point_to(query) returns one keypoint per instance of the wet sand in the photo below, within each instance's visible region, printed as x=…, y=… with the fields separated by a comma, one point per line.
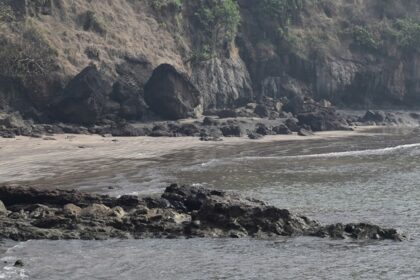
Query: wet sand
x=52, y=163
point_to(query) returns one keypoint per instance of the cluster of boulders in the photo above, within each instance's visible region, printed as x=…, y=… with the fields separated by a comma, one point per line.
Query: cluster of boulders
x=27, y=213
x=91, y=105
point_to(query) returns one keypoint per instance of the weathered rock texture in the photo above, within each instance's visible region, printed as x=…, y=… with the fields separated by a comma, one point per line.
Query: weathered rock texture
x=350, y=52
x=179, y=212
x=355, y=53
x=171, y=95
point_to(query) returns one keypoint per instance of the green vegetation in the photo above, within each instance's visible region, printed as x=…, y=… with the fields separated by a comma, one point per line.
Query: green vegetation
x=407, y=33
x=218, y=22
x=159, y=5
x=281, y=10
x=6, y=14
x=364, y=38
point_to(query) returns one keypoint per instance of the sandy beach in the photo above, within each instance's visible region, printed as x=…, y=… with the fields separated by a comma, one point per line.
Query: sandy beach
x=67, y=158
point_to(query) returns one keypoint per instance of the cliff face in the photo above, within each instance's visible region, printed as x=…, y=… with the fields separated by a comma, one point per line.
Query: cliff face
x=47, y=43
x=353, y=52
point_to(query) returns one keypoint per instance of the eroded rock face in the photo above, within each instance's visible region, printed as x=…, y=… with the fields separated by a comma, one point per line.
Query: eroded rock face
x=180, y=212
x=171, y=95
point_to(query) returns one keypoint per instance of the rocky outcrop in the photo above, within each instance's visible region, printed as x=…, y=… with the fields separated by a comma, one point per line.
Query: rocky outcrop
x=179, y=212
x=323, y=119
x=171, y=95
x=222, y=81
x=84, y=99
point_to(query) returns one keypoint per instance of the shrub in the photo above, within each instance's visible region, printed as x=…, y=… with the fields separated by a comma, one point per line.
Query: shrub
x=407, y=34
x=159, y=5
x=6, y=13
x=218, y=20
x=364, y=38
x=281, y=10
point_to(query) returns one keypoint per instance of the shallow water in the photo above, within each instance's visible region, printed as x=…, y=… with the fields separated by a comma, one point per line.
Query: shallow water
x=366, y=178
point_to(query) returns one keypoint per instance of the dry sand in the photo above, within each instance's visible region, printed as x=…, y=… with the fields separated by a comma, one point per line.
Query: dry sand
x=68, y=158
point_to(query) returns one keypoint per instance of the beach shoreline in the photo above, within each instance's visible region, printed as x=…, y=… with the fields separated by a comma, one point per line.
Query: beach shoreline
x=66, y=157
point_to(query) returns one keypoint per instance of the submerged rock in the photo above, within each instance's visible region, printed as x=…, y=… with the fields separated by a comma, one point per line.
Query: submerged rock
x=180, y=212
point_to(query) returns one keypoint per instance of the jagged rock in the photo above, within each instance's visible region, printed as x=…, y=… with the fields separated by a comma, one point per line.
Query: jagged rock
x=207, y=121
x=292, y=124
x=232, y=131
x=374, y=116
x=171, y=95
x=84, y=99
x=261, y=111
x=7, y=134
x=262, y=129
x=180, y=212
x=361, y=231
x=322, y=119
x=127, y=130
x=282, y=130
x=189, y=129
x=224, y=114
x=245, y=113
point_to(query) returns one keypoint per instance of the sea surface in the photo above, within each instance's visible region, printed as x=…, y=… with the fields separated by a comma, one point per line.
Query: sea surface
x=372, y=177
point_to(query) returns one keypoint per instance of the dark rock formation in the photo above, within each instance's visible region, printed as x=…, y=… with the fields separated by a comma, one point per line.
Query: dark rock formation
x=179, y=212
x=170, y=94
x=262, y=129
x=282, y=129
x=374, y=116
x=84, y=99
x=292, y=124
x=323, y=119
x=232, y=130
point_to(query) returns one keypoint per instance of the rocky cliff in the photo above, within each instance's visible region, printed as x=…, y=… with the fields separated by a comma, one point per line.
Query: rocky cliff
x=219, y=53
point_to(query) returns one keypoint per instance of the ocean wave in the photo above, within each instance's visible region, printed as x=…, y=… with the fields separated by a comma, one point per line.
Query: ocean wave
x=369, y=152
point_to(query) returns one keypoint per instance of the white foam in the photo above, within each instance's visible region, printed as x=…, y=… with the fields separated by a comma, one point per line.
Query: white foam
x=383, y=151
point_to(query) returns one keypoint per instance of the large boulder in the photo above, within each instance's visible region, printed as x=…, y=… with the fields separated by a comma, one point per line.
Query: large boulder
x=84, y=99
x=374, y=116
x=322, y=119
x=171, y=95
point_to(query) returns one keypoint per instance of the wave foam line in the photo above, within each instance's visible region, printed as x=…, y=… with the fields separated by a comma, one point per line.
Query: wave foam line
x=369, y=152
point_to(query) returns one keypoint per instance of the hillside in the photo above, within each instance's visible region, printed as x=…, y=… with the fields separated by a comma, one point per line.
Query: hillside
x=210, y=53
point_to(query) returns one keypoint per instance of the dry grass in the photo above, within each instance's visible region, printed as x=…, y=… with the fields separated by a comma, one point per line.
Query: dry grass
x=120, y=28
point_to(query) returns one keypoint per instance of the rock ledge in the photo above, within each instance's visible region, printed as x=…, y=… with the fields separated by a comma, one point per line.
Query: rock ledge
x=179, y=212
